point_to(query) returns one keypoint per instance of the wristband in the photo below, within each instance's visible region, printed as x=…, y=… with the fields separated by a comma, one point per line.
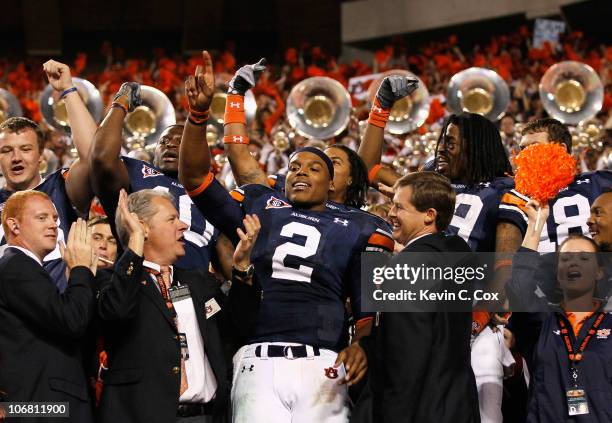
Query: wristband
x=198, y=115
x=196, y=120
x=378, y=115
x=234, y=110
x=236, y=139
x=120, y=106
x=373, y=172
x=68, y=91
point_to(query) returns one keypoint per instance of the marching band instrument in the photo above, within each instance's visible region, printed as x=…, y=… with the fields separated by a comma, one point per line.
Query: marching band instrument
x=319, y=107
x=145, y=123
x=478, y=90
x=571, y=92
x=53, y=109
x=410, y=112
x=9, y=105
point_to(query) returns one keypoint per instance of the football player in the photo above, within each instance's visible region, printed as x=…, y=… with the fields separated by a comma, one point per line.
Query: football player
x=21, y=148
x=570, y=209
x=306, y=260
x=111, y=172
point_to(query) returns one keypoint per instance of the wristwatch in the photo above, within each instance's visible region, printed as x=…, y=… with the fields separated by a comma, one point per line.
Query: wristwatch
x=243, y=275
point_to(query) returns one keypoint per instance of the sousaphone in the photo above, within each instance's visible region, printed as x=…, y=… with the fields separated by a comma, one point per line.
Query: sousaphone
x=53, y=109
x=319, y=108
x=9, y=105
x=478, y=90
x=410, y=112
x=571, y=92
x=146, y=122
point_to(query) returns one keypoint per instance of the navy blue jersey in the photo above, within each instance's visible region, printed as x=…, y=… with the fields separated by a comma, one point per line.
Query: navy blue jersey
x=201, y=236
x=569, y=210
x=54, y=186
x=307, y=262
x=476, y=212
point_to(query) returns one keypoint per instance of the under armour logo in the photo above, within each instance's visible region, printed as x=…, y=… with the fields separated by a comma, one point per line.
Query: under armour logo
x=237, y=138
x=250, y=368
x=377, y=109
x=343, y=222
x=557, y=332
x=583, y=181
x=331, y=373
x=234, y=105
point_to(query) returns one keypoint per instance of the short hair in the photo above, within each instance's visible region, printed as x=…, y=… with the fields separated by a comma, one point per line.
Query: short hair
x=13, y=208
x=557, y=132
x=98, y=220
x=482, y=145
x=141, y=203
x=15, y=125
x=431, y=190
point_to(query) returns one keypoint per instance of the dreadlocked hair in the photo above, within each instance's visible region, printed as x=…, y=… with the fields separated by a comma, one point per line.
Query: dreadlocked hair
x=357, y=190
x=486, y=156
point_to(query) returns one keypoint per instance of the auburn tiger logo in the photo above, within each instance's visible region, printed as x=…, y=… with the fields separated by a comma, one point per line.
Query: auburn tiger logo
x=275, y=203
x=147, y=172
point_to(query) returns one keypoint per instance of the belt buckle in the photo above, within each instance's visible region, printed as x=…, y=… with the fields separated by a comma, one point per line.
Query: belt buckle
x=285, y=350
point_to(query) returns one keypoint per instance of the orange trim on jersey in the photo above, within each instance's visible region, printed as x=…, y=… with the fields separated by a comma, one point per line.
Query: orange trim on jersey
x=237, y=195
x=381, y=241
x=271, y=181
x=373, y=172
x=205, y=184
x=234, y=110
x=65, y=174
x=502, y=263
x=513, y=200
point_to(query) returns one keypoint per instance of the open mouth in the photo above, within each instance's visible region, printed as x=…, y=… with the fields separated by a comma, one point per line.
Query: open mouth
x=170, y=156
x=573, y=274
x=17, y=170
x=300, y=186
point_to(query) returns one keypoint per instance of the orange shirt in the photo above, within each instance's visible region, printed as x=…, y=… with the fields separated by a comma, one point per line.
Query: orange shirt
x=578, y=321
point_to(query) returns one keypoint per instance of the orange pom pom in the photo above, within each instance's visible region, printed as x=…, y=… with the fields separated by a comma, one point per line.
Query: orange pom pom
x=542, y=170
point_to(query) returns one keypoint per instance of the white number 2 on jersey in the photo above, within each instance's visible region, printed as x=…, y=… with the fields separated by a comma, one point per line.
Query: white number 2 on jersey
x=303, y=273
x=466, y=224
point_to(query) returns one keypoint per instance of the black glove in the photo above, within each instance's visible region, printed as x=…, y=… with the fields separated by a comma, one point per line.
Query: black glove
x=129, y=95
x=245, y=78
x=393, y=88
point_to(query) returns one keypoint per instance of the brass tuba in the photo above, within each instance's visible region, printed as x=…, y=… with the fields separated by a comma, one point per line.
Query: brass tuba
x=319, y=107
x=217, y=108
x=146, y=122
x=410, y=112
x=571, y=92
x=53, y=109
x=9, y=105
x=478, y=90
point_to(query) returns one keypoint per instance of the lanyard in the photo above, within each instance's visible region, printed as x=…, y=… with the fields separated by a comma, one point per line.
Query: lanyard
x=575, y=356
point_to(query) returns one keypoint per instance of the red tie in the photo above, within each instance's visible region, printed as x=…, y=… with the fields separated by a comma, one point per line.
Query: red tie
x=163, y=279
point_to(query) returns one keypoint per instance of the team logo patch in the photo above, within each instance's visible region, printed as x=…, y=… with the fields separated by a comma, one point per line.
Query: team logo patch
x=603, y=333
x=275, y=203
x=147, y=172
x=331, y=373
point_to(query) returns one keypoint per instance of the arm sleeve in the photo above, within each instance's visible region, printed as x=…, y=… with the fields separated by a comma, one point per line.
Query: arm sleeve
x=521, y=288
x=30, y=295
x=117, y=298
x=512, y=209
x=219, y=207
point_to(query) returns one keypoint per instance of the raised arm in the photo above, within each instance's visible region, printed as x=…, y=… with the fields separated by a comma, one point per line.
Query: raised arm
x=108, y=173
x=392, y=89
x=194, y=157
x=83, y=127
x=245, y=168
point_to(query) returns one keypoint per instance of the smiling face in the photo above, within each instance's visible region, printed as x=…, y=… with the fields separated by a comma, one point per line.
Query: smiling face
x=406, y=221
x=308, y=181
x=164, y=232
x=577, y=268
x=450, y=158
x=167, y=150
x=20, y=159
x=600, y=221
x=35, y=228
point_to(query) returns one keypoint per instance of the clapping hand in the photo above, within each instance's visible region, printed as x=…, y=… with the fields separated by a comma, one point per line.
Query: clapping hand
x=79, y=249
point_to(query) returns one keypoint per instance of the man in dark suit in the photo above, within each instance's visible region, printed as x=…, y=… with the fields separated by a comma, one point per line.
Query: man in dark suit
x=41, y=327
x=422, y=370
x=165, y=358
